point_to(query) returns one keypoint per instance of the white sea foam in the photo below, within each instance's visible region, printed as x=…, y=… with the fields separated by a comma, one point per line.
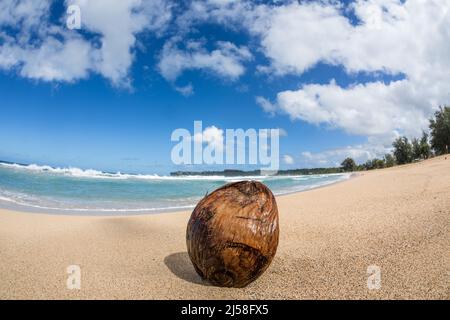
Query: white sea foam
x=26, y=201
x=91, y=173
x=75, y=172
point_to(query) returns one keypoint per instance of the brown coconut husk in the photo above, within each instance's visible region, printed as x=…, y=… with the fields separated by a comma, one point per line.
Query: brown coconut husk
x=232, y=235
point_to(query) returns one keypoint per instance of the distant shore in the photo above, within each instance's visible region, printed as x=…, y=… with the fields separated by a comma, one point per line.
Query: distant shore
x=242, y=173
x=397, y=219
x=9, y=206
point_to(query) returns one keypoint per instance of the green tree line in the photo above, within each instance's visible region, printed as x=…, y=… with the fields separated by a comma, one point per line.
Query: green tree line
x=437, y=142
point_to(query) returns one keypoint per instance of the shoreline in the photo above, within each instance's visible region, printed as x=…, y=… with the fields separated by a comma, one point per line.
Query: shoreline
x=23, y=208
x=397, y=219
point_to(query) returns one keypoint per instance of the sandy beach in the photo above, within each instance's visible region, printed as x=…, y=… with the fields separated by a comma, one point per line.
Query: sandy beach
x=397, y=219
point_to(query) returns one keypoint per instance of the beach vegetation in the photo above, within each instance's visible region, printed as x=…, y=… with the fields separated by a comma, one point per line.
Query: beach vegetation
x=440, y=131
x=425, y=148
x=421, y=147
x=348, y=165
x=374, y=164
x=403, y=150
x=416, y=148
x=389, y=160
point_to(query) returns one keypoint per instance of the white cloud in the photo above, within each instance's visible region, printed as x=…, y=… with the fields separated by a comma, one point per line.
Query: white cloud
x=23, y=14
x=57, y=54
x=266, y=105
x=334, y=157
x=229, y=13
x=283, y=133
x=52, y=60
x=54, y=53
x=118, y=22
x=391, y=36
x=187, y=90
x=371, y=109
x=226, y=60
x=212, y=136
x=58, y=61
x=287, y=159
x=409, y=39
x=297, y=36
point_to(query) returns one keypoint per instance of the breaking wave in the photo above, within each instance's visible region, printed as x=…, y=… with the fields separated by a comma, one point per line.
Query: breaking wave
x=74, y=190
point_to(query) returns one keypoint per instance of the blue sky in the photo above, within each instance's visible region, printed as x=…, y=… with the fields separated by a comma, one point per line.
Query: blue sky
x=108, y=98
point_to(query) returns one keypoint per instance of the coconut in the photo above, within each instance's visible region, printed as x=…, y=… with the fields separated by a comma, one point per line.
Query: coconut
x=232, y=235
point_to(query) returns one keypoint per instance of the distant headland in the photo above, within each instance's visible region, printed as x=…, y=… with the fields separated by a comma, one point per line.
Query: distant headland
x=240, y=173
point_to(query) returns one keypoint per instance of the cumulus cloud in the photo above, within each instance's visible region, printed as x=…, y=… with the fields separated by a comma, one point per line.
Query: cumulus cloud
x=108, y=39
x=334, y=157
x=233, y=14
x=315, y=28
x=391, y=36
x=287, y=159
x=56, y=60
x=58, y=54
x=54, y=53
x=364, y=109
x=103, y=16
x=406, y=39
x=212, y=136
x=226, y=60
x=23, y=14
x=52, y=60
x=266, y=105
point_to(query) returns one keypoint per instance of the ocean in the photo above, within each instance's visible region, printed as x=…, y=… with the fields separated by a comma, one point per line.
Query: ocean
x=89, y=192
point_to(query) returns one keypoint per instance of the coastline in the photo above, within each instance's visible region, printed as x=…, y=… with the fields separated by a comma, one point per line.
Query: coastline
x=396, y=218
x=19, y=207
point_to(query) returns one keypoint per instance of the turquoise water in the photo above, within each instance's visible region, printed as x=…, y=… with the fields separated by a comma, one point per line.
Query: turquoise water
x=76, y=191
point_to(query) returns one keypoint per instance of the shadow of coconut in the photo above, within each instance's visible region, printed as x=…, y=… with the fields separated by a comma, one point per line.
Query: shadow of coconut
x=181, y=266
